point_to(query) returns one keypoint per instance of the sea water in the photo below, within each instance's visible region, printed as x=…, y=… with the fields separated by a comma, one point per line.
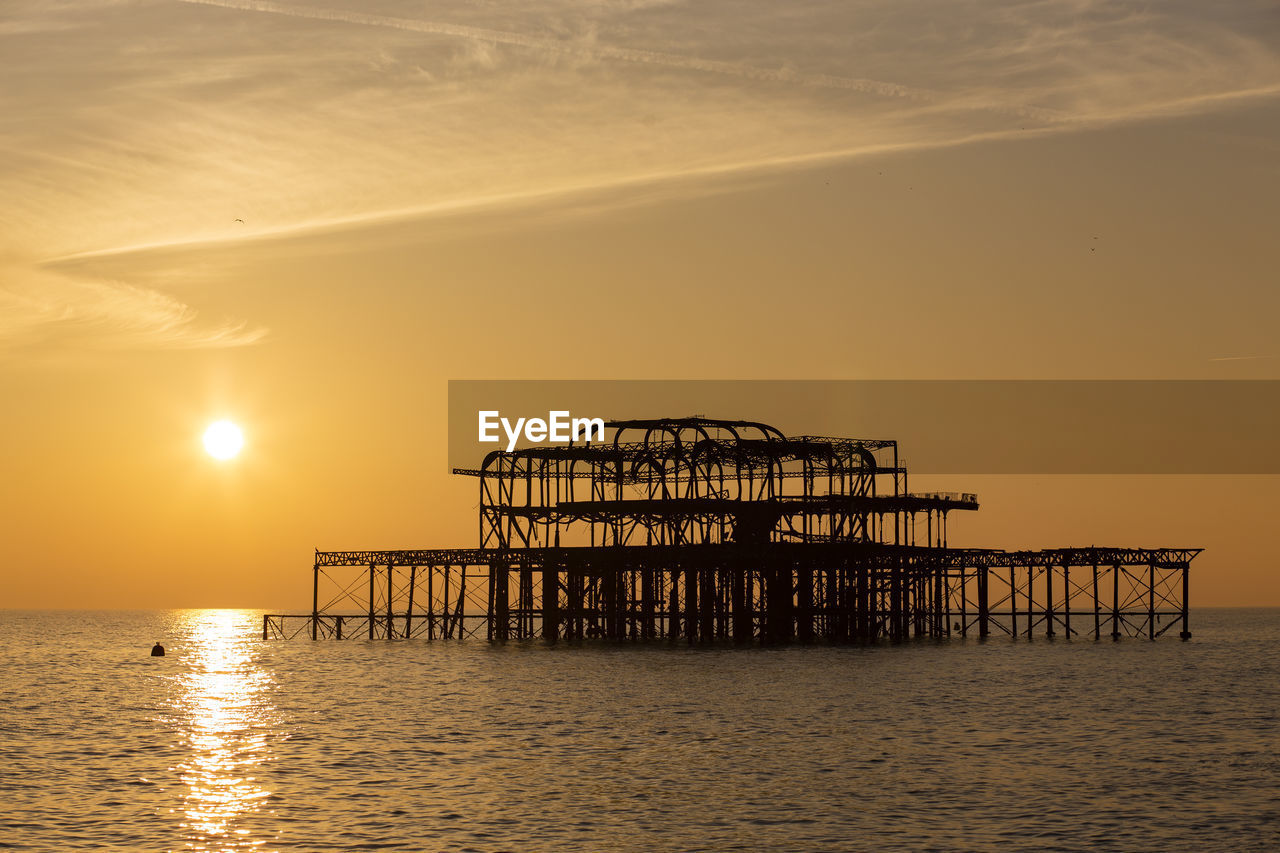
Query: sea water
x=233, y=743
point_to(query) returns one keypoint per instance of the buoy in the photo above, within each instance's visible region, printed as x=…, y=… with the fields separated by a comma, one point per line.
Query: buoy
x=157, y=651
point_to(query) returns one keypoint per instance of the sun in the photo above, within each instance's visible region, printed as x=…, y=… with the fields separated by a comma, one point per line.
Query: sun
x=223, y=439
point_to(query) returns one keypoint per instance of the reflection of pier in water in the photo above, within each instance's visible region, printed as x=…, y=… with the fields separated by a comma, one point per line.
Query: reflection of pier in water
x=727, y=530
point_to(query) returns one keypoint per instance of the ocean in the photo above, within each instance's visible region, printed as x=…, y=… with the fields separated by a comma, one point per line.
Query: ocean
x=232, y=743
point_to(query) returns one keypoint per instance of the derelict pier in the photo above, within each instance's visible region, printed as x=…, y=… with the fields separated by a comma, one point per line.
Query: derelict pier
x=704, y=530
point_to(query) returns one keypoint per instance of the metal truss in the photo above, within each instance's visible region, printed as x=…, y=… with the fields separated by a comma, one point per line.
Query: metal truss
x=694, y=480
x=702, y=530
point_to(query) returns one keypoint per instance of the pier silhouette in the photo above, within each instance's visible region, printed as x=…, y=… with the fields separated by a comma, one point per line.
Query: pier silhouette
x=703, y=530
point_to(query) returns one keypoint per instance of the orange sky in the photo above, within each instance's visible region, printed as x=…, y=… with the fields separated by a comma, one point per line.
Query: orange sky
x=600, y=190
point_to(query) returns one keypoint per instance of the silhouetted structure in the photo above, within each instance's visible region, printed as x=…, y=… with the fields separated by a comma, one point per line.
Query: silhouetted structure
x=709, y=530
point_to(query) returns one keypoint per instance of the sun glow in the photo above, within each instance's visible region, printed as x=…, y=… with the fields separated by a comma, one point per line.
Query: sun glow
x=226, y=717
x=223, y=439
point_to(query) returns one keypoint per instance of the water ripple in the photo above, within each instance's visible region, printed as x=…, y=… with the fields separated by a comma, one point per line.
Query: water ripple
x=232, y=744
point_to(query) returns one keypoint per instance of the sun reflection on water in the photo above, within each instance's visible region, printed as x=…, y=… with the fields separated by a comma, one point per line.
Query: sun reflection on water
x=223, y=699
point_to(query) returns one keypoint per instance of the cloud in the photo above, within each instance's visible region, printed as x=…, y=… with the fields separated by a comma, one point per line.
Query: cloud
x=581, y=49
x=37, y=306
x=154, y=124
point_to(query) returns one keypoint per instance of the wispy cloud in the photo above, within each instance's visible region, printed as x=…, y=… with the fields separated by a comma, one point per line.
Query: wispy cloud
x=576, y=48
x=575, y=196
x=1242, y=357
x=97, y=314
x=133, y=125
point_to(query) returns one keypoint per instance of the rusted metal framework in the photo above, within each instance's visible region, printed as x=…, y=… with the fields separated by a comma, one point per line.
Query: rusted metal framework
x=692, y=481
x=705, y=530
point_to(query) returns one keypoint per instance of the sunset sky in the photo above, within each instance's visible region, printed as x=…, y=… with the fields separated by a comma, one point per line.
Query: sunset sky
x=306, y=217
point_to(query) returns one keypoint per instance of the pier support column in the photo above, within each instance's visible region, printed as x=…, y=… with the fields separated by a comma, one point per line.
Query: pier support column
x=569, y=614
x=500, y=607
x=315, y=604
x=488, y=605
x=576, y=601
x=941, y=596
x=1151, y=601
x=431, y=603
x=1048, y=600
x=621, y=605
x=865, y=621
x=778, y=594
x=372, y=572
x=524, y=617
x=1031, y=589
x=691, y=603
x=1097, y=606
x=550, y=602
x=646, y=603
x=804, y=613
x=984, y=606
x=835, y=598
x=1066, y=600
x=1185, y=634
x=707, y=602
x=895, y=619
x=1115, y=602
x=741, y=612
x=1013, y=604
x=408, y=608
x=609, y=604
x=391, y=629
x=673, y=607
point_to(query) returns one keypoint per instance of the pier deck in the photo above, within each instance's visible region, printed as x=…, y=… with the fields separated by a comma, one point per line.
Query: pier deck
x=777, y=592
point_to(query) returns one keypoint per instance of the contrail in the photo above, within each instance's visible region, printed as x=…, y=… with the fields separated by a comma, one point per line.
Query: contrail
x=534, y=196
x=624, y=54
